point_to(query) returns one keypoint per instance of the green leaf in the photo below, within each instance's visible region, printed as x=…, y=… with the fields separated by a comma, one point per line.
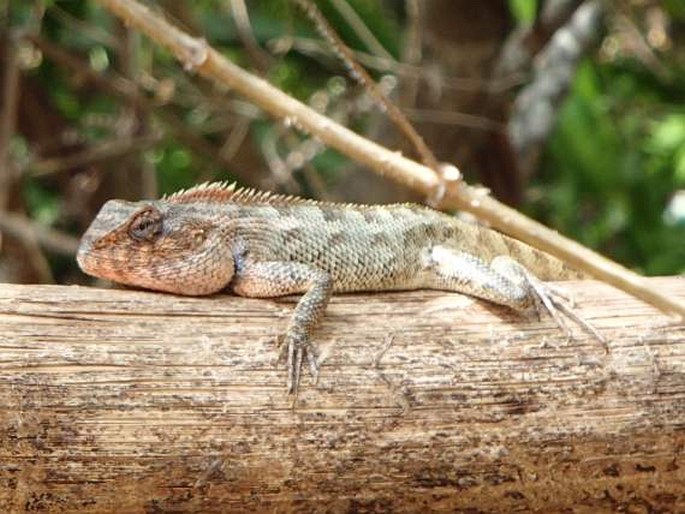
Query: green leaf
x=668, y=135
x=523, y=10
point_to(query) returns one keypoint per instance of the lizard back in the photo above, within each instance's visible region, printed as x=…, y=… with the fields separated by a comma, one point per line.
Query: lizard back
x=184, y=242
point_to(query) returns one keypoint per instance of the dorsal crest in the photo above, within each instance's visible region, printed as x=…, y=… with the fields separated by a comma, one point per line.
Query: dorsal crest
x=225, y=192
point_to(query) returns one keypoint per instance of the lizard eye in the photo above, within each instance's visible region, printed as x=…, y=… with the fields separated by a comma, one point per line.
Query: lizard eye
x=146, y=225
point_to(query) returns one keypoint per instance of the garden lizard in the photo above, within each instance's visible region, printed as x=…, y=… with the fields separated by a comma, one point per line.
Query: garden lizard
x=217, y=237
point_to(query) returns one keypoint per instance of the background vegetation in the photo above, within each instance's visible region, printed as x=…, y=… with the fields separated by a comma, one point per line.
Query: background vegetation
x=579, y=121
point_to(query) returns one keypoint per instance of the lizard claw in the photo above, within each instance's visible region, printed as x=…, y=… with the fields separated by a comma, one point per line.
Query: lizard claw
x=547, y=298
x=296, y=349
x=556, y=300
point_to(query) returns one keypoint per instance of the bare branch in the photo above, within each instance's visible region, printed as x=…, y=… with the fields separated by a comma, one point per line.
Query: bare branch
x=453, y=118
x=412, y=52
x=360, y=28
x=407, y=71
x=136, y=120
x=242, y=22
x=111, y=149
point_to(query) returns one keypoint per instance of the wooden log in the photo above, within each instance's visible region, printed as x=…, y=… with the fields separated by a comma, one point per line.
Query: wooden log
x=129, y=401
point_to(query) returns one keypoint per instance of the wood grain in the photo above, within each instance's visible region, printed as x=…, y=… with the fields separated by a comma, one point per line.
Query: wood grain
x=128, y=401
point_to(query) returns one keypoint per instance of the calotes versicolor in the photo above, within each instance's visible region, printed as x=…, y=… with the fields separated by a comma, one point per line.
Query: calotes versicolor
x=215, y=237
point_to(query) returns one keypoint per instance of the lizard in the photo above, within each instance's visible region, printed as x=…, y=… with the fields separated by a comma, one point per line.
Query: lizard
x=217, y=237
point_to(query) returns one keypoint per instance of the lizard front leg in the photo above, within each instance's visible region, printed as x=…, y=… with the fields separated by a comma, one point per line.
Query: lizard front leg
x=271, y=279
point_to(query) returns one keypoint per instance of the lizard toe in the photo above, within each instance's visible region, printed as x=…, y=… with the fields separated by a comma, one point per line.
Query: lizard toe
x=297, y=348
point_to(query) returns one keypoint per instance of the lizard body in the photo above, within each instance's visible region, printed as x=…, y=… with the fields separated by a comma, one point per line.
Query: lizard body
x=214, y=237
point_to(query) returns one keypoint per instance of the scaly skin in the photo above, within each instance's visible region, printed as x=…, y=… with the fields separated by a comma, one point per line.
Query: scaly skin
x=214, y=237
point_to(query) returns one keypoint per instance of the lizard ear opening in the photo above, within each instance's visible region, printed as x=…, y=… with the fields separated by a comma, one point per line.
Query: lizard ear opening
x=146, y=225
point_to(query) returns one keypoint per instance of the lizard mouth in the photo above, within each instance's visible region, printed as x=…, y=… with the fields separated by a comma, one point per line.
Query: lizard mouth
x=91, y=264
x=86, y=261
x=84, y=252
x=92, y=258
x=81, y=257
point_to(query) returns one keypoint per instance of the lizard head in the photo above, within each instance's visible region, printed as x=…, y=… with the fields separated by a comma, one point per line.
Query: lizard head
x=156, y=246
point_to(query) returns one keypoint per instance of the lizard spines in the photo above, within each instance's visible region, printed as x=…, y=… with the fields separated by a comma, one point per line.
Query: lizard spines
x=225, y=192
x=219, y=192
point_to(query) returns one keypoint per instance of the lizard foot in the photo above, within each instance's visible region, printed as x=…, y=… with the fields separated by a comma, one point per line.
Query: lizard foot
x=555, y=301
x=547, y=298
x=296, y=348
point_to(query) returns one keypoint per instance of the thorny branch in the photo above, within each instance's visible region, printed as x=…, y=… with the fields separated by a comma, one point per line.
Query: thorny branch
x=196, y=54
x=405, y=70
x=363, y=77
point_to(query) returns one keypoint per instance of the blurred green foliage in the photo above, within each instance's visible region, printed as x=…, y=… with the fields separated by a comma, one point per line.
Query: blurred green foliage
x=613, y=165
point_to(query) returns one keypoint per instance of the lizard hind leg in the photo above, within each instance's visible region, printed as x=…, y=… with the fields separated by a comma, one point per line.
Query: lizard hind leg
x=506, y=282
